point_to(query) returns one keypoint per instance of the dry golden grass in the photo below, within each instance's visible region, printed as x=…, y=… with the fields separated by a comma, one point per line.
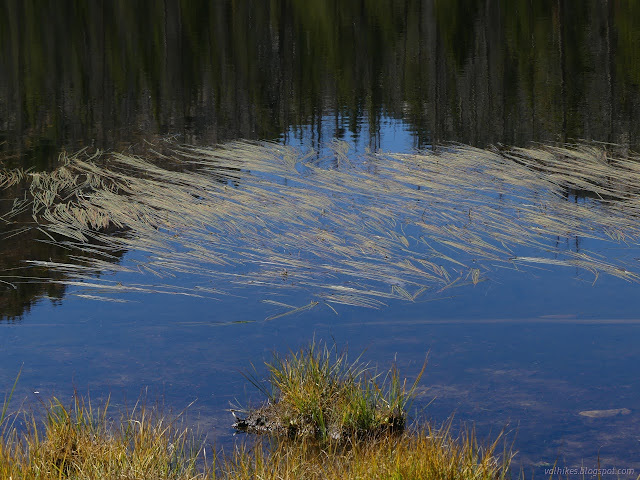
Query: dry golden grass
x=429, y=453
x=357, y=229
x=82, y=442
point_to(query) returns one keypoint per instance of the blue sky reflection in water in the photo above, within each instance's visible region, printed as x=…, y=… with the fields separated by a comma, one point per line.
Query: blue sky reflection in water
x=528, y=349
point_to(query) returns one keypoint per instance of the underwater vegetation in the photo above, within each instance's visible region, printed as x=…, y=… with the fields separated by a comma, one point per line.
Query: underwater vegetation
x=343, y=227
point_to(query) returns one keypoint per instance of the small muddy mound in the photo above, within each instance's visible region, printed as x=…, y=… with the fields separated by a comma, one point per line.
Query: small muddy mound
x=279, y=420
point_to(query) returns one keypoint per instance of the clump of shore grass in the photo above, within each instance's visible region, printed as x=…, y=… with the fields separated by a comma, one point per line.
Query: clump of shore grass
x=317, y=392
x=79, y=441
x=427, y=453
x=83, y=443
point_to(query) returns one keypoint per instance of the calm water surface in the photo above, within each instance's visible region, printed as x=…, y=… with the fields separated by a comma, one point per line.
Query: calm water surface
x=526, y=350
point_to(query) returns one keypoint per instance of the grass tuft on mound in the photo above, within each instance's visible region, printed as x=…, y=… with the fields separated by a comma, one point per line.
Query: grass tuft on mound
x=316, y=392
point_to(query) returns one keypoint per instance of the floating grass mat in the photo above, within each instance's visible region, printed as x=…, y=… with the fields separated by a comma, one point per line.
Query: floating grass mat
x=346, y=228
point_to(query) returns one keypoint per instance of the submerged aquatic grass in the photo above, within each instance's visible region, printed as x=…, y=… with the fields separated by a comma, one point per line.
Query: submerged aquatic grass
x=358, y=229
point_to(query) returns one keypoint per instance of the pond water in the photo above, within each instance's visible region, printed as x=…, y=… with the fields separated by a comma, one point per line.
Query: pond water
x=525, y=349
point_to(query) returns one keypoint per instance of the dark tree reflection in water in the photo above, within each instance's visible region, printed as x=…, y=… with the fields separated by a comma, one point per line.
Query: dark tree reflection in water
x=477, y=72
